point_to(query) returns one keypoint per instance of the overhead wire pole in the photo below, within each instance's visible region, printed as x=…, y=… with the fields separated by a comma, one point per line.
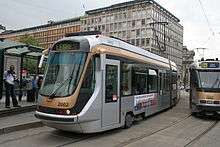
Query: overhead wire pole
x=203, y=51
x=164, y=39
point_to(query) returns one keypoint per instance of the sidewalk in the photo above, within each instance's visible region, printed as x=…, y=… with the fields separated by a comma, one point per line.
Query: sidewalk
x=15, y=118
x=25, y=107
x=19, y=122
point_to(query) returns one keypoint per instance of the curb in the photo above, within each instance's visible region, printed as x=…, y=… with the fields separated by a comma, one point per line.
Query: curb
x=20, y=127
x=14, y=111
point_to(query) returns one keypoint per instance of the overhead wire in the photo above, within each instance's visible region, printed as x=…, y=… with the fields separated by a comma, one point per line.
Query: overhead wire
x=51, y=10
x=206, y=18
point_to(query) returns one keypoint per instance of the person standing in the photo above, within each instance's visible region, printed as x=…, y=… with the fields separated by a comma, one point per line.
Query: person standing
x=34, y=88
x=9, y=80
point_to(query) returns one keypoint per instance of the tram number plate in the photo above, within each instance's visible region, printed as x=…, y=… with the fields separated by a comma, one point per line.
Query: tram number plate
x=209, y=102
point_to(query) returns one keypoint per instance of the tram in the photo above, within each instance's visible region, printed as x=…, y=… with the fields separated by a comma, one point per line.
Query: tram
x=94, y=83
x=205, y=86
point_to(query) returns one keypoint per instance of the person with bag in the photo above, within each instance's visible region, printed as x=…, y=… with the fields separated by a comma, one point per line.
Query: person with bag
x=9, y=80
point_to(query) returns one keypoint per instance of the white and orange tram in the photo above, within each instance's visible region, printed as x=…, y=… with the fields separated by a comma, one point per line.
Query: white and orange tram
x=94, y=83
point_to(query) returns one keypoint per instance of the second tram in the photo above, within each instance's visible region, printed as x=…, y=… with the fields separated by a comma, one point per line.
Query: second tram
x=94, y=83
x=205, y=86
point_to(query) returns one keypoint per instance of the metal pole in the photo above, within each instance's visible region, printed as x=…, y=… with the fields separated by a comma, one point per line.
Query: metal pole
x=20, y=83
x=38, y=62
x=1, y=72
x=164, y=39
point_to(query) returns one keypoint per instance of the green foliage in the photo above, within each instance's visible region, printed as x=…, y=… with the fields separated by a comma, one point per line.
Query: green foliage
x=29, y=64
x=29, y=40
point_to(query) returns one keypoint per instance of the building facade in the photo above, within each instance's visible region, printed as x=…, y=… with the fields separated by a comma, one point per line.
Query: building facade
x=188, y=58
x=46, y=34
x=143, y=23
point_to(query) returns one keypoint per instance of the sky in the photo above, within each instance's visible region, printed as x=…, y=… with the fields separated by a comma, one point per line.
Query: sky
x=200, y=18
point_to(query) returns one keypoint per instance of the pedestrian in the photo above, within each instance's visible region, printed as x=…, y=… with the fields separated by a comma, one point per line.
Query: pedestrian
x=34, y=87
x=39, y=83
x=9, y=80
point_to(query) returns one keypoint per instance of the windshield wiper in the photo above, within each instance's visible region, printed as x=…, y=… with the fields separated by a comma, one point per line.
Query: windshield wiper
x=53, y=94
x=217, y=82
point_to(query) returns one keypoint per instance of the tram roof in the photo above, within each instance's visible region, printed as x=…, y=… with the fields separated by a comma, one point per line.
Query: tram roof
x=206, y=65
x=95, y=40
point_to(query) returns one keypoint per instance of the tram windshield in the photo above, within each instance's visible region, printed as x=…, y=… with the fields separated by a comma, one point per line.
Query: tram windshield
x=62, y=73
x=209, y=79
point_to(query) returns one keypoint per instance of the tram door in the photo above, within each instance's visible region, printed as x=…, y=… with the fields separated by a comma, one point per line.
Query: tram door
x=111, y=93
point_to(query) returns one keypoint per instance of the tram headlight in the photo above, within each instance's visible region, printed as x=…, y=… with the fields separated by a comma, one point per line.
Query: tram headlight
x=68, y=112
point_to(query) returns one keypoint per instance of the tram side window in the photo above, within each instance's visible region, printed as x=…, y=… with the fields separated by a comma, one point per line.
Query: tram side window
x=152, y=80
x=139, y=79
x=126, y=79
x=166, y=83
x=162, y=80
x=88, y=84
x=174, y=80
x=87, y=87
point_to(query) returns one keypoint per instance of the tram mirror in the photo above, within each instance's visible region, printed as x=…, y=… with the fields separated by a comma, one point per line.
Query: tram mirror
x=44, y=54
x=41, y=61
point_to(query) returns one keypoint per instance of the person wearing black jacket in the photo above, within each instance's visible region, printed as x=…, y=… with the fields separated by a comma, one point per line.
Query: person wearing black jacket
x=9, y=80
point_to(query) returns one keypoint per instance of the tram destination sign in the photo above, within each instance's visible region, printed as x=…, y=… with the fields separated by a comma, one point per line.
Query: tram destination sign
x=210, y=65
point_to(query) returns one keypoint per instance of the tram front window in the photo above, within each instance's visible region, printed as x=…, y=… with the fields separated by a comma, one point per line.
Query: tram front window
x=62, y=74
x=210, y=80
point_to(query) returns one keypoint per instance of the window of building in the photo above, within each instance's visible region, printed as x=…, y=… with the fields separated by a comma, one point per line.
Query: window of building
x=143, y=22
x=103, y=27
x=133, y=41
x=116, y=17
x=147, y=41
x=152, y=80
x=120, y=25
x=120, y=34
x=107, y=27
x=133, y=23
x=124, y=34
x=124, y=15
x=142, y=42
x=138, y=32
x=111, y=27
x=124, y=25
x=132, y=33
x=137, y=42
x=115, y=26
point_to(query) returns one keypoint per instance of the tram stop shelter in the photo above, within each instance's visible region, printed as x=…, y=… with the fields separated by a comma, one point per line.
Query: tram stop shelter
x=13, y=53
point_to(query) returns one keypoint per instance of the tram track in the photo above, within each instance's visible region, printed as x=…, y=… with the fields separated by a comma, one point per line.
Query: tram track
x=123, y=143
x=132, y=140
x=192, y=141
x=74, y=141
x=202, y=134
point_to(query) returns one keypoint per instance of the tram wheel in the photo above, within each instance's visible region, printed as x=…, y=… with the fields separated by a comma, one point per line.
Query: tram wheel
x=129, y=118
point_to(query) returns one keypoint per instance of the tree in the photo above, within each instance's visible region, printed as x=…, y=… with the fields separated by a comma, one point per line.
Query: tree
x=29, y=64
x=29, y=40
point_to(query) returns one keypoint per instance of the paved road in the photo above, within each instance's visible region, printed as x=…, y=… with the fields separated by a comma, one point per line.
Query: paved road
x=174, y=127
